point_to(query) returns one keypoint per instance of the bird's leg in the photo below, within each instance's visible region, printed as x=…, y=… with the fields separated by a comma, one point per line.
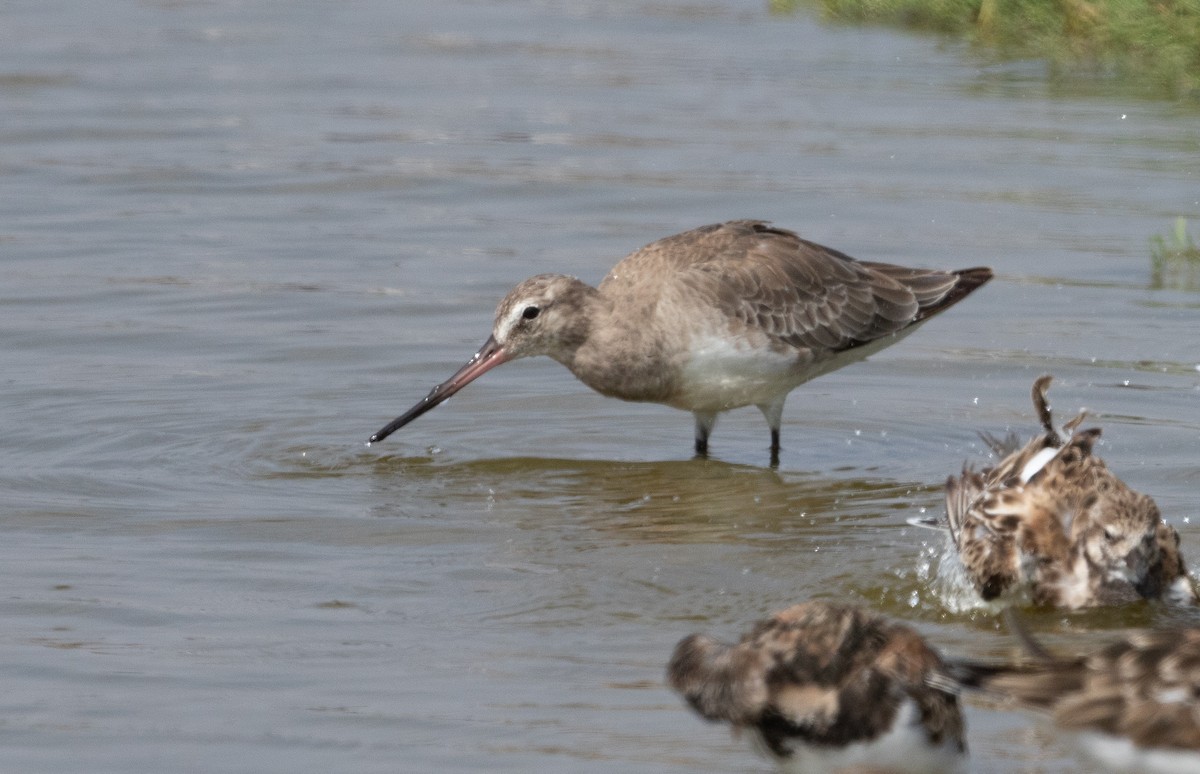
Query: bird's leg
x=773, y=412
x=704, y=425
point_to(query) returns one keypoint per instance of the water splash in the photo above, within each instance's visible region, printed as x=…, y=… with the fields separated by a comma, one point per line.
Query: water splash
x=948, y=580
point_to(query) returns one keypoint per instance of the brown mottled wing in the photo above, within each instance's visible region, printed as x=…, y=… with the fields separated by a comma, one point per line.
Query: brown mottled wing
x=718, y=241
x=994, y=517
x=1039, y=686
x=1160, y=680
x=1014, y=456
x=987, y=546
x=824, y=688
x=1143, y=687
x=796, y=291
x=1007, y=471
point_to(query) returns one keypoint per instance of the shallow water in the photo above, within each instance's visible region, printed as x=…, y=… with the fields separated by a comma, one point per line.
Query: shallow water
x=239, y=238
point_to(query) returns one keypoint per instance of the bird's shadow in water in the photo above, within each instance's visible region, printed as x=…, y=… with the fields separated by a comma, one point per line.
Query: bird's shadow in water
x=672, y=501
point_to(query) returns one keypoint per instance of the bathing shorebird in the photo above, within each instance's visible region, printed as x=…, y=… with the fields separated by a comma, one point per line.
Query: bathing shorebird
x=728, y=315
x=825, y=688
x=1051, y=522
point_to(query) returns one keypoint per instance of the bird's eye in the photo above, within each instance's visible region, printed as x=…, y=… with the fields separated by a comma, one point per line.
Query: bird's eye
x=530, y=312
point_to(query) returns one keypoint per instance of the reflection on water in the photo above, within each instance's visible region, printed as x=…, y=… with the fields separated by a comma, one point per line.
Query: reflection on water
x=667, y=501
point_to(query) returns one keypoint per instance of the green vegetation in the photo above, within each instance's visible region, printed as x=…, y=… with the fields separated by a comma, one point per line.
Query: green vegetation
x=1175, y=261
x=1155, y=43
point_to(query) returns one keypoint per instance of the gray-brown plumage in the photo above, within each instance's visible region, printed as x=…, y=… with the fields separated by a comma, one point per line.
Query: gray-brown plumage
x=1052, y=521
x=1133, y=706
x=827, y=687
x=728, y=315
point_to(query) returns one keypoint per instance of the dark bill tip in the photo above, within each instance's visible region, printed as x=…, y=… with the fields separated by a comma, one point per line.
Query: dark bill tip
x=490, y=355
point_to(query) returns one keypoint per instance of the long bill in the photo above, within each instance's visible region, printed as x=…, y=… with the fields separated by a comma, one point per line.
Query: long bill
x=490, y=355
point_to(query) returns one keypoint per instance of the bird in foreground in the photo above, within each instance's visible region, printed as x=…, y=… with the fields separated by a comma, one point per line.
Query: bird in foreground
x=1133, y=706
x=728, y=315
x=824, y=687
x=1052, y=522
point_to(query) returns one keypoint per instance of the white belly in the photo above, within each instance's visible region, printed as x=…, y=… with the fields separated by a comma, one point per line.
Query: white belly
x=1118, y=754
x=725, y=372
x=903, y=750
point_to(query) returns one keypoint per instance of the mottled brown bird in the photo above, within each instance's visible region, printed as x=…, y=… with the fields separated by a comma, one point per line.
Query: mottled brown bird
x=823, y=687
x=1133, y=706
x=1052, y=523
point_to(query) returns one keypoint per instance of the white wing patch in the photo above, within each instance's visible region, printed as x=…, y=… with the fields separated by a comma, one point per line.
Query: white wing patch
x=1037, y=462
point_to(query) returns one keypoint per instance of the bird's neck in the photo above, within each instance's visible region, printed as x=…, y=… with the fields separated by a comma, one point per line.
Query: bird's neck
x=620, y=356
x=588, y=313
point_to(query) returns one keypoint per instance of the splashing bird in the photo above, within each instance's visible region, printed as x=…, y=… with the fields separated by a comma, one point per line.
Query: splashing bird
x=727, y=315
x=1052, y=522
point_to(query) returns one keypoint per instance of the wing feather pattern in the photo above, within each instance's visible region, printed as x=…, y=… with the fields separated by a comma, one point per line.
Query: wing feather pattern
x=799, y=293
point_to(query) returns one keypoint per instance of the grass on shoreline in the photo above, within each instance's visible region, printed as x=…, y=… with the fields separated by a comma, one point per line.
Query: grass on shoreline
x=1175, y=260
x=1155, y=43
